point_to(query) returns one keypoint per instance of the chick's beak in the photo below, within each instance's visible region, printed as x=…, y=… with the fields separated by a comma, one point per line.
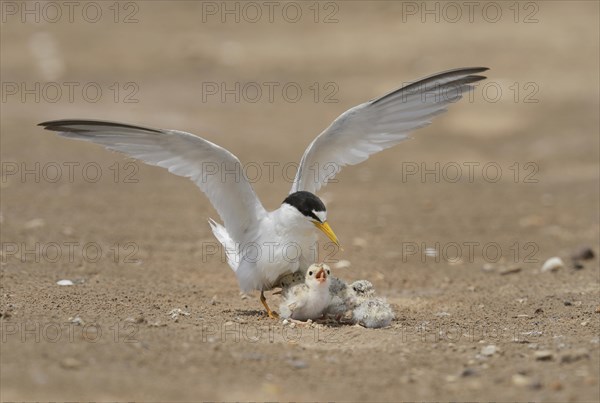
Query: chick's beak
x=321, y=276
x=327, y=230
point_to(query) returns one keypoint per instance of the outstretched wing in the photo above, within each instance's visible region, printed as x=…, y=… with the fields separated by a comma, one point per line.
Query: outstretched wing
x=379, y=124
x=182, y=154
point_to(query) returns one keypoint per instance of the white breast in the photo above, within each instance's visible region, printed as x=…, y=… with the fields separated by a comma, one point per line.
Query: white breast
x=285, y=242
x=303, y=303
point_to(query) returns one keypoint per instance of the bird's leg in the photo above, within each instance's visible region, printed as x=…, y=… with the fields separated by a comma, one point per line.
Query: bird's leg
x=272, y=314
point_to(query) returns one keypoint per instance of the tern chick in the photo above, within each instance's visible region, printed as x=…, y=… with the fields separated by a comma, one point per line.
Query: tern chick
x=357, y=303
x=308, y=300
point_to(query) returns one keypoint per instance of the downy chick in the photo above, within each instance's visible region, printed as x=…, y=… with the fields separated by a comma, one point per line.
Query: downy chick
x=308, y=300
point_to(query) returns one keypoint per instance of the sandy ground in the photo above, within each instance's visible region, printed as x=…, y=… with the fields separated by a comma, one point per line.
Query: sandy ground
x=135, y=241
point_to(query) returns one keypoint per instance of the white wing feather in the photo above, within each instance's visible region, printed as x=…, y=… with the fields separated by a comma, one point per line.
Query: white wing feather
x=379, y=124
x=183, y=154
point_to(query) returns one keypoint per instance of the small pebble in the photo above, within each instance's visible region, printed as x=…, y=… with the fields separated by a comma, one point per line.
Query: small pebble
x=553, y=264
x=521, y=380
x=451, y=378
x=35, y=223
x=543, y=355
x=525, y=381
x=573, y=356
x=556, y=385
x=70, y=363
x=488, y=350
x=253, y=356
x=531, y=221
x=510, y=270
x=298, y=364
x=577, y=265
x=583, y=253
x=488, y=267
x=68, y=231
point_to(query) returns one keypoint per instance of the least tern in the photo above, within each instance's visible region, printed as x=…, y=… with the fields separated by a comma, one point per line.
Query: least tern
x=309, y=299
x=350, y=139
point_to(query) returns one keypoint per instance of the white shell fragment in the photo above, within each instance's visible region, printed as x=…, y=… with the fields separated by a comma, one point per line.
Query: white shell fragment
x=64, y=282
x=175, y=313
x=553, y=264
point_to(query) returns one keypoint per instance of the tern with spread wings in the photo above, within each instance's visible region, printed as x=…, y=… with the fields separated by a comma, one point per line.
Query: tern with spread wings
x=355, y=135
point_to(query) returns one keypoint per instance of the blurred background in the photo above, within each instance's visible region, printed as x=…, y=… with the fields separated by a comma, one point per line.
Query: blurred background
x=262, y=79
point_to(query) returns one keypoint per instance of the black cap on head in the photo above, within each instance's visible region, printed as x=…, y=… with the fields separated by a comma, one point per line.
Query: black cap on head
x=306, y=203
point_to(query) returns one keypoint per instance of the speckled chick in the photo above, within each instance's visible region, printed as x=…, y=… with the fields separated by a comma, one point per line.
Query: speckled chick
x=346, y=297
x=373, y=313
x=308, y=300
x=358, y=301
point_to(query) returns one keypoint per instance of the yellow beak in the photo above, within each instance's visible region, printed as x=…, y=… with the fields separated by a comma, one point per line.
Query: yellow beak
x=328, y=231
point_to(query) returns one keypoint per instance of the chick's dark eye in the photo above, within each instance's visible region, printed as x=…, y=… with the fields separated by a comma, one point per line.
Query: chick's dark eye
x=310, y=273
x=328, y=272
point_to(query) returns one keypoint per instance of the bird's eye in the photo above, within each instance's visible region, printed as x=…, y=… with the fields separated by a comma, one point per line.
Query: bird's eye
x=328, y=272
x=310, y=273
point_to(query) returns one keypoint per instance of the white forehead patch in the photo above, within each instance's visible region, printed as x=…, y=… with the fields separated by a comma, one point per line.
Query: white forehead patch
x=321, y=214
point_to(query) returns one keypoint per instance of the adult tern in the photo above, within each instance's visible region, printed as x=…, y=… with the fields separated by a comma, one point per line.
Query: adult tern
x=350, y=139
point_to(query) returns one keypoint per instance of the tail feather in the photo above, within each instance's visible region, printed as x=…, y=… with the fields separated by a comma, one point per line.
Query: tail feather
x=231, y=250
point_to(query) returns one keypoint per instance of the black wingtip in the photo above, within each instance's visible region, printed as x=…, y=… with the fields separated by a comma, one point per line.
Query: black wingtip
x=67, y=125
x=474, y=79
x=480, y=69
x=469, y=76
x=47, y=124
